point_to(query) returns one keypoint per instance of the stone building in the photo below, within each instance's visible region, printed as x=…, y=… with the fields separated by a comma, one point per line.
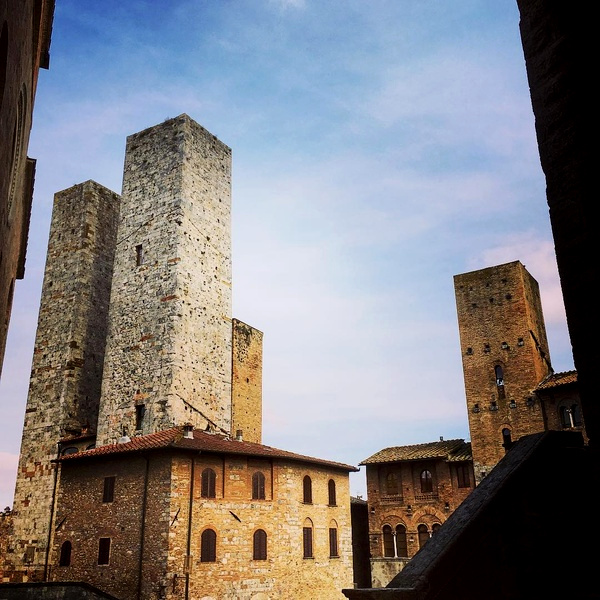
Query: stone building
x=25, y=31
x=136, y=340
x=511, y=392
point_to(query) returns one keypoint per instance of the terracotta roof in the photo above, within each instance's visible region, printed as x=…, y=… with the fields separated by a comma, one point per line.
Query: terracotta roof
x=202, y=441
x=557, y=379
x=449, y=450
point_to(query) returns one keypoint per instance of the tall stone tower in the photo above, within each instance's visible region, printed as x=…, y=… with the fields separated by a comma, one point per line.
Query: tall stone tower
x=66, y=373
x=505, y=356
x=169, y=345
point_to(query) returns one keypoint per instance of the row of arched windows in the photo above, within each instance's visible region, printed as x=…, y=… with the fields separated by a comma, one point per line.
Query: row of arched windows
x=395, y=541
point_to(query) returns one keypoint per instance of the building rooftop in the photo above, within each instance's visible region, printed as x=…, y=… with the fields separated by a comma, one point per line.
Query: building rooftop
x=202, y=441
x=449, y=450
x=555, y=380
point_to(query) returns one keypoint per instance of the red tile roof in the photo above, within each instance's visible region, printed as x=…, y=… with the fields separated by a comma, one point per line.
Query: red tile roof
x=557, y=379
x=202, y=441
x=449, y=450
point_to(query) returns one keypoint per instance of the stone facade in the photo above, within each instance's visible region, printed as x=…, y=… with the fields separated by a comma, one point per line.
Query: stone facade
x=25, y=31
x=160, y=508
x=406, y=507
x=64, y=388
x=505, y=356
x=168, y=350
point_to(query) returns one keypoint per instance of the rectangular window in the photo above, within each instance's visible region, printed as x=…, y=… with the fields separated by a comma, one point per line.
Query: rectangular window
x=333, y=542
x=307, y=542
x=109, y=489
x=103, y=551
x=462, y=475
x=140, y=411
x=139, y=255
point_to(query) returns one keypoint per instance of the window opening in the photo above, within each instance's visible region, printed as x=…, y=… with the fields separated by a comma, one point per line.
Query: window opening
x=258, y=486
x=139, y=255
x=333, y=542
x=391, y=484
x=331, y=490
x=462, y=475
x=259, y=545
x=208, y=484
x=103, y=551
x=426, y=482
x=307, y=542
x=388, y=542
x=208, y=546
x=65, y=554
x=506, y=438
x=109, y=489
x=140, y=411
x=401, y=542
x=423, y=534
x=307, y=490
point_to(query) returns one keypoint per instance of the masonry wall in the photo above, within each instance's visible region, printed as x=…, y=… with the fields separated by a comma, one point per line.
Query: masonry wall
x=409, y=508
x=246, y=392
x=64, y=389
x=501, y=325
x=169, y=345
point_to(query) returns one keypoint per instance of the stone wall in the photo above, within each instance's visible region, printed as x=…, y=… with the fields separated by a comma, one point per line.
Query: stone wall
x=501, y=325
x=168, y=352
x=64, y=389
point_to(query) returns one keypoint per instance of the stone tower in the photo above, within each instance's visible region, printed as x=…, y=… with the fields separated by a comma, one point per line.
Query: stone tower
x=66, y=373
x=505, y=356
x=169, y=345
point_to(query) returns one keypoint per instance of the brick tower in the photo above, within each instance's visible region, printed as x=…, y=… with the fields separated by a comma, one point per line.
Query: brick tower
x=66, y=373
x=169, y=345
x=505, y=356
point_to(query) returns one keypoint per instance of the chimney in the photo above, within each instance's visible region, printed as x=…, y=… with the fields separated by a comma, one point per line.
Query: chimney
x=188, y=431
x=238, y=435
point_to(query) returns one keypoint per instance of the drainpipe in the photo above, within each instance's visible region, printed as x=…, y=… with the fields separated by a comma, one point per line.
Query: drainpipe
x=52, y=509
x=188, y=557
x=143, y=528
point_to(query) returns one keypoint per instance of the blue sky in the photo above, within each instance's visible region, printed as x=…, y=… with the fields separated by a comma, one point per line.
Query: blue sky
x=379, y=149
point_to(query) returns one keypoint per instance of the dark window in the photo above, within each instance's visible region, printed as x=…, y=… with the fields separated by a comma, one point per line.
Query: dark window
x=139, y=255
x=70, y=450
x=499, y=381
x=103, y=551
x=435, y=528
x=307, y=490
x=65, y=554
x=307, y=542
x=109, y=489
x=140, y=411
x=401, y=545
x=388, y=542
x=208, y=484
x=576, y=415
x=29, y=554
x=463, y=475
x=423, y=534
x=208, y=546
x=506, y=438
x=259, y=545
x=333, y=542
x=332, y=497
x=258, y=486
x=426, y=482
x=391, y=484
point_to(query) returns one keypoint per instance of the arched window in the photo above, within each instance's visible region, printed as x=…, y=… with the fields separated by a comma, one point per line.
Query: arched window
x=401, y=544
x=388, y=542
x=333, y=540
x=435, y=528
x=307, y=539
x=576, y=415
x=307, y=490
x=331, y=489
x=426, y=482
x=259, y=545
x=423, y=533
x=499, y=381
x=391, y=484
x=208, y=484
x=258, y=486
x=565, y=416
x=65, y=554
x=506, y=438
x=208, y=546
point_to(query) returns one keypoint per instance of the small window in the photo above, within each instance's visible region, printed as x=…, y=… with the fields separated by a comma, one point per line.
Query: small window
x=333, y=542
x=307, y=490
x=109, y=489
x=258, y=486
x=70, y=450
x=401, y=543
x=576, y=415
x=208, y=484
x=426, y=482
x=104, y=551
x=65, y=554
x=391, y=484
x=332, y=496
x=388, y=542
x=139, y=255
x=506, y=438
x=208, y=546
x=307, y=542
x=463, y=475
x=423, y=534
x=29, y=554
x=435, y=528
x=140, y=411
x=259, y=545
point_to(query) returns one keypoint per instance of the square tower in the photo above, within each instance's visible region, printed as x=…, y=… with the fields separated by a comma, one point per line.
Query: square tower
x=504, y=355
x=169, y=344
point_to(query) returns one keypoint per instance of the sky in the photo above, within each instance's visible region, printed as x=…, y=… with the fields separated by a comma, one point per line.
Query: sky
x=379, y=148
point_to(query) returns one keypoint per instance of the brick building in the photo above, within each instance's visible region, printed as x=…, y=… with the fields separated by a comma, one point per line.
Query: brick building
x=25, y=31
x=136, y=340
